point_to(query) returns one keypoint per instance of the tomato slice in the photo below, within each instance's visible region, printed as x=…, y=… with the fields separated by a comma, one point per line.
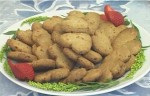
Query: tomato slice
x=107, y=10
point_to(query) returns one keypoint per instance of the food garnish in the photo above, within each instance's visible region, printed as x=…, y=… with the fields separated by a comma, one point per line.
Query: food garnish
x=34, y=19
x=113, y=16
x=48, y=42
x=22, y=71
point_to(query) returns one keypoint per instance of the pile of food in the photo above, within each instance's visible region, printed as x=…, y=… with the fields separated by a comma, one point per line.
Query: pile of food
x=78, y=48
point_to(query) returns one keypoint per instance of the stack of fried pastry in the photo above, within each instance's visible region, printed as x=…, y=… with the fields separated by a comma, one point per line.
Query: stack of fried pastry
x=77, y=48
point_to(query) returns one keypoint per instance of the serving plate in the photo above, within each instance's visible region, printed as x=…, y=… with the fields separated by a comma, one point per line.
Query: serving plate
x=145, y=38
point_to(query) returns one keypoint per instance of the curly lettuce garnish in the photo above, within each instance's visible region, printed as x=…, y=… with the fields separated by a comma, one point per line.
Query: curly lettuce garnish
x=70, y=87
x=55, y=86
x=140, y=58
x=35, y=19
x=5, y=49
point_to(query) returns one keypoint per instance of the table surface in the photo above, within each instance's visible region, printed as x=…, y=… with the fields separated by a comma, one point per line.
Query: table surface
x=12, y=11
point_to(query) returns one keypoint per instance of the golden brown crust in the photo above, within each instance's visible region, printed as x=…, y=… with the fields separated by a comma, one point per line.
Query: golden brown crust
x=70, y=54
x=110, y=30
x=134, y=46
x=57, y=32
x=93, y=56
x=125, y=36
x=40, y=52
x=18, y=46
x=72, y=24
x=34, y=49
x=50, y=23
x=55, y=74
x=21, y=56
x=25, y=36
x=75, y=75
x=101, y=43
x=42, y=38
x=62, y=61
x=56, y=36
x=118, y=71
x=121, y=53
x=76, y=14
x=78, y=48
x=93, y=20
x=92, y=75
x=111, y=69
x=119, y=29
x=42, y=77
x=75, y=41
x=106, y=76
x=58, y=28
x=83, y=62
x=58, y=74
x=36, y=26
x=43, y=64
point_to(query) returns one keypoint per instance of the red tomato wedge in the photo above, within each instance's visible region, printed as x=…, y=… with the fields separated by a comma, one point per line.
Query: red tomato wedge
x=113, y=16
x=22, y=71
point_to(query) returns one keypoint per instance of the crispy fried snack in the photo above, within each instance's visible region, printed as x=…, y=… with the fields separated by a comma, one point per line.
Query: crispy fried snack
x=70, y=54
x=125, y=36
x=18, y=46
x=119, y=29
x=111, y=69
x=40, y=52
x=79, y=48
x=76, y=14
x=101, y=43
x=55, y=74
x=36, y=26
x=43, y=64
x=110, y=30
x=50, y=23
x=76, y=42
x=25, y=37
x=93, y=56
x=57, y=32
x=92, y=75
x=121, y=71
x=134, y=46
x=42, y=38
x=21, y=56
x=75, y=75
x=122, y=53
x=58, y=28
x=62, y=61
x=106, y=75
x=56, y=37
x=60, y=73
x=43, y=77
x=85, y=63
x=93, y=20
x=71, y=24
